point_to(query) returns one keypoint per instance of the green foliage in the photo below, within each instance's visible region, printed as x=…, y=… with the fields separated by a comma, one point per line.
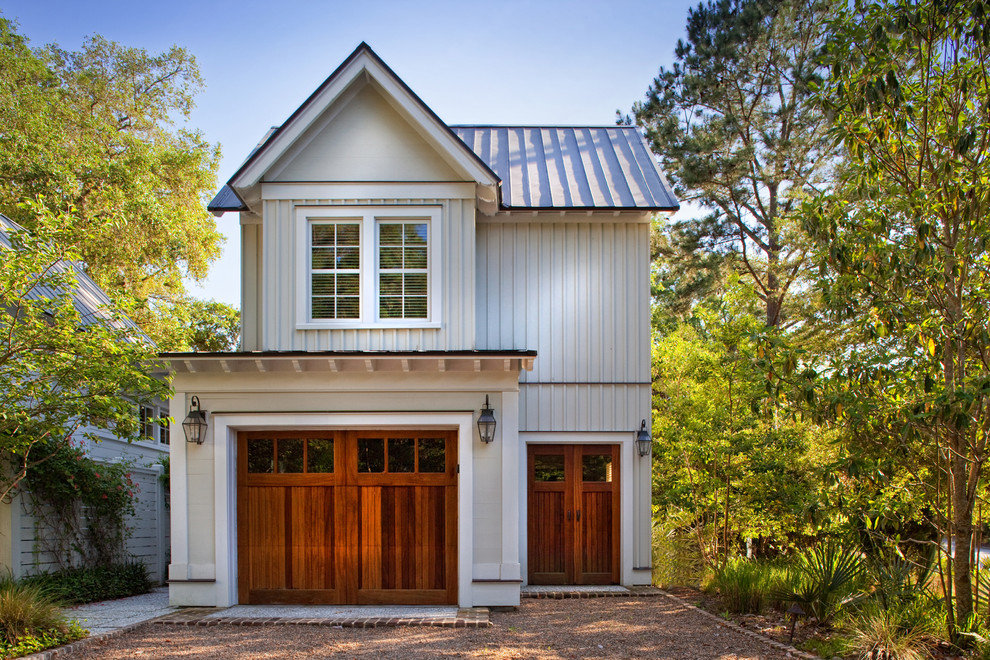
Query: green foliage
x=79, y=504
x=725, y=467
x=102, y=130
x=902, y=632
x=58, y=371
x=903, y=255
x=213, y=326
x=734, y=125
x=827, y=576
x=75, y=586
x=26, y=610
x=746, y=586
x=40, y=640
x=677, y=560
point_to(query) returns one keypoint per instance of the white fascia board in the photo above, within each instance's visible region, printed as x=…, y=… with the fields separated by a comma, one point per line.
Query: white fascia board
x=456, y=150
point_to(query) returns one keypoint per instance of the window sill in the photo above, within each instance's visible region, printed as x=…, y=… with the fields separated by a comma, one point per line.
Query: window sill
x=357, y=325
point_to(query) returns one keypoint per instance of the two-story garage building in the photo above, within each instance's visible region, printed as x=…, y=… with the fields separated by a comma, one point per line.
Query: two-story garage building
x=402, y=280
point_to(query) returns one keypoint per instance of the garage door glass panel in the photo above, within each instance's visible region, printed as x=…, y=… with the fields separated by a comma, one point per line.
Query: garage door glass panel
x=548, y=467
x=319, y=455
x=371, y=454
x=261, y=456
x=432, y=455
x=290, y=455
x=596, y=467
x=401, y=455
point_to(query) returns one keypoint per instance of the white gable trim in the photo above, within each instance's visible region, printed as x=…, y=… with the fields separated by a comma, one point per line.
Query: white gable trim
x=437, y=134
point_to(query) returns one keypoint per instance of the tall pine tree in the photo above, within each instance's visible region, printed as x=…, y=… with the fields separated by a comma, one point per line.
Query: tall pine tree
x=734, y=125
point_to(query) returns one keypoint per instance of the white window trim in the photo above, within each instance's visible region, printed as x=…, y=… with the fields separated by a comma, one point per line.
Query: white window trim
x=368, y=217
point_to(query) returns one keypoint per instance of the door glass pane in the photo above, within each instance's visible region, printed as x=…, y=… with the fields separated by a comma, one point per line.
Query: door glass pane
x=596, y=467
x=319, y=455
x=548, y=467
x=290, y=455
x=371, y=455
x=261, y=456
x=432, y=455
x=401, y=455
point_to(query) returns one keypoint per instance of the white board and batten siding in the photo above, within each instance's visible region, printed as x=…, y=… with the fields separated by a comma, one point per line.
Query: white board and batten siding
x=578, y=293
x=278, y=279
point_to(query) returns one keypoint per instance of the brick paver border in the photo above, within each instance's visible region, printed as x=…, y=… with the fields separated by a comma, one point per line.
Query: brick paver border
x=472, y=617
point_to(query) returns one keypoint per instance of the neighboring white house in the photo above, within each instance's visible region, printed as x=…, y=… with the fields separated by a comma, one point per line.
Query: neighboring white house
x=22, y=546
x=397, y=274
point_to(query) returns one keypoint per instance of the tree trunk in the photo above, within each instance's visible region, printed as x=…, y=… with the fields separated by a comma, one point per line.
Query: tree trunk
x=962, y=519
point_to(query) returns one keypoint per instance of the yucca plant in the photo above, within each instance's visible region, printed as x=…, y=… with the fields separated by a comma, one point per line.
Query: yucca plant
x=827, y=576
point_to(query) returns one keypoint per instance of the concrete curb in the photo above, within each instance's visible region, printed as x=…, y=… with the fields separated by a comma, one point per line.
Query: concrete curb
x=732, y=625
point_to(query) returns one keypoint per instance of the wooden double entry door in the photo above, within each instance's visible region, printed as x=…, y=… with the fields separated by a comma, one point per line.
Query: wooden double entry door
x=573, y=514
x=347, y=517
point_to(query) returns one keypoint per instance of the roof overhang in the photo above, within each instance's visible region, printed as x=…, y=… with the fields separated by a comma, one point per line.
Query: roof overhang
x=344, y=362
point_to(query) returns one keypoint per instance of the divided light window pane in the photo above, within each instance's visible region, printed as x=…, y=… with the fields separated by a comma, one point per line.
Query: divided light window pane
x=403, y=265
x=335, y=267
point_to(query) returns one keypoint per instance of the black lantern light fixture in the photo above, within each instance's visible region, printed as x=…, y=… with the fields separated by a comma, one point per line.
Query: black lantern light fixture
x=643, y=442
x=194, y=425
x=486, y=423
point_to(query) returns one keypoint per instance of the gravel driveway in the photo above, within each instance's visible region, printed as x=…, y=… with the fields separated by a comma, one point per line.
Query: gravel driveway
x=572, y=628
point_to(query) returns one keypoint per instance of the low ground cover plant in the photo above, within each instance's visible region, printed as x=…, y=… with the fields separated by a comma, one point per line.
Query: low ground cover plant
x=31, y=621
x=75, y=586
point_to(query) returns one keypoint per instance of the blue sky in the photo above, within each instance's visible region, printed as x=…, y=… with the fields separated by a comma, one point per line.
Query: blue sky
x=503, y=62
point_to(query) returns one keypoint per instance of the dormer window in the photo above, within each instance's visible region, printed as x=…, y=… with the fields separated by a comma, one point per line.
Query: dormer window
x=369, y=267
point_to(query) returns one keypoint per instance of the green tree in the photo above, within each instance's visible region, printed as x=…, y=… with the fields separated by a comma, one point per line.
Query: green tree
x=734, y=125
x=97, y=131
x=904, y=248
x=60, y=371
x=724, y=469
x=213, y=326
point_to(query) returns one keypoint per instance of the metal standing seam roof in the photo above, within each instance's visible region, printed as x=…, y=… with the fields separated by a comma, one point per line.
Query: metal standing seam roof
x=89, y=299
x=571, y=167
x=558, y=167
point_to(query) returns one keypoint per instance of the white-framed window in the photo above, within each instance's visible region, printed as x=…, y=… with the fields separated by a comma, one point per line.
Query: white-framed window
x=164, y=430
x=148, y=417
x=368, y=267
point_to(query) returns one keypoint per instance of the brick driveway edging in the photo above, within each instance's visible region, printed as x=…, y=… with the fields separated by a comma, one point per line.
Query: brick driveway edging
x=732, y=625
x=470, y=617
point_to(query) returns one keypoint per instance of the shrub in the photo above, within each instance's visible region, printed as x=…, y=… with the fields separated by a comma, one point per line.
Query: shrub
x=825, y=577
x=901, y=632
x=676, y=558
x=31, y=621
x=86, y=585
x=742, y=585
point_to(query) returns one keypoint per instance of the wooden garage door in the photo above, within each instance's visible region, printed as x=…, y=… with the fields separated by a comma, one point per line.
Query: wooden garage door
x=356, y=517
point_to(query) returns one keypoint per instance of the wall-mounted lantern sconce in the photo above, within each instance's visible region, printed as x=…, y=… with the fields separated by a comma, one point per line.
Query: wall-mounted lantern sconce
x=643, y=442
x=194, y=425
x=486, y=423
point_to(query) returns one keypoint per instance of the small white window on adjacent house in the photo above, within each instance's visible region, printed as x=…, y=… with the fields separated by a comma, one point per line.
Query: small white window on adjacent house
x=147, y=423
x=369, y=267
x=164, y=431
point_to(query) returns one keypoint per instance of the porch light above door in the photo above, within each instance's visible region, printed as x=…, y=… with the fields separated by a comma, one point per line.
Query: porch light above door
x=643, y=441
x=486, y=423
x=194, y=425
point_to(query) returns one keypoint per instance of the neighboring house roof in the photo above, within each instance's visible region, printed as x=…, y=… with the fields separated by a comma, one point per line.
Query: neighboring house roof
x=538, y=167
x=570, y=167
x=92, y=302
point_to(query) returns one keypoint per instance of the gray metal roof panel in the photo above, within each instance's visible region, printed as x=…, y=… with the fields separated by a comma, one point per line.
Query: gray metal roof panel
x=226, y=200
x=580, y=167
x=92, y=302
